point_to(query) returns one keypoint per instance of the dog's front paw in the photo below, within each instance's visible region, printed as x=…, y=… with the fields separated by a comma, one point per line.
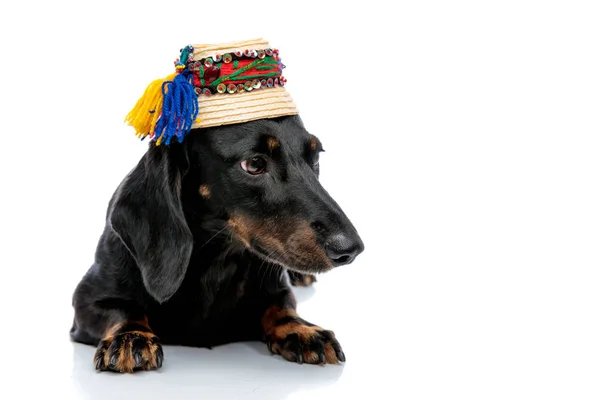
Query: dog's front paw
x=129, y=352
x=298, y=279
x=305, y=344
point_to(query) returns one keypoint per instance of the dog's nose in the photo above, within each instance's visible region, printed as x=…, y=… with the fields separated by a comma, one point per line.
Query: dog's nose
x=342, y=250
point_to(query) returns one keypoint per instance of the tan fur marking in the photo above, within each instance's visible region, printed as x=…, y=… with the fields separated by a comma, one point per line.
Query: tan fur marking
x=126, y=363
x=204, y=191
x=112, y=330
x=308, y=280
x=275, y=313
x=272, y=143
x=310, y=357
x=238, y=225
x=313, y=143
x=305, y=333
x=148, y=354
x=302, y=244
x=330, y=355
x=271, y=243
x=290, y=241
x=125, y=360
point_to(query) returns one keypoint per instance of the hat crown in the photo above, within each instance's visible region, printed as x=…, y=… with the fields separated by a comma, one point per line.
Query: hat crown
x=213, y=84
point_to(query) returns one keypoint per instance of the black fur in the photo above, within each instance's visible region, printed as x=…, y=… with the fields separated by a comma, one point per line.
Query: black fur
x=202, y=268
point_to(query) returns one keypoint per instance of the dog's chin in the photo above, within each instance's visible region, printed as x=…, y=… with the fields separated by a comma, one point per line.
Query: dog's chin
x=274, y=257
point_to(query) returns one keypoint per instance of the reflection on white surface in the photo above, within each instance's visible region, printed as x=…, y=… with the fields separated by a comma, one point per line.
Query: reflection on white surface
x=237, y=370
x=243, y=370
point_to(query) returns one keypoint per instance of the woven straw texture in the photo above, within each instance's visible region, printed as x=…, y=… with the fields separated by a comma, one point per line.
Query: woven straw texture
x=226, y=109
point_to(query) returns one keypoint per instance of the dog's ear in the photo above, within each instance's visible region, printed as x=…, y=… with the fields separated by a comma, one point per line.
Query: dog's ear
x=147, y=216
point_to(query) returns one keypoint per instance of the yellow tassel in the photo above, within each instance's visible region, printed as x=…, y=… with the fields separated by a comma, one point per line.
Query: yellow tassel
x=144, y=115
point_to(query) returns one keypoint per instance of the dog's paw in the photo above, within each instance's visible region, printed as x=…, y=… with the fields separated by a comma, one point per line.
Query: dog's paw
x=298, y=279
x=129, y=352
x=305, y=344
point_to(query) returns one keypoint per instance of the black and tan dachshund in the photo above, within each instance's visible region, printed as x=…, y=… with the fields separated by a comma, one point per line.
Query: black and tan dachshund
x=202, y=241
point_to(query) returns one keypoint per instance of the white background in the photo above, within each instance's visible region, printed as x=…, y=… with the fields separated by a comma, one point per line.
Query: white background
x=462, y=139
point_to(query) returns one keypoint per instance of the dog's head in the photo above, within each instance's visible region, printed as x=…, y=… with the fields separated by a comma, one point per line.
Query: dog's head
x=256, y=182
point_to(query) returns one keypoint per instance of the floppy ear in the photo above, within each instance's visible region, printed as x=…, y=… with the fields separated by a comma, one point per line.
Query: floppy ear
x=147, y=216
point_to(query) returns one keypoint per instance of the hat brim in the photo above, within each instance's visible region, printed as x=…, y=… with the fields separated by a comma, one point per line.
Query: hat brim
x=225, y=109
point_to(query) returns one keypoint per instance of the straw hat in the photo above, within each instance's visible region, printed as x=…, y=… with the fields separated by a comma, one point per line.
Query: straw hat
x=213, y=84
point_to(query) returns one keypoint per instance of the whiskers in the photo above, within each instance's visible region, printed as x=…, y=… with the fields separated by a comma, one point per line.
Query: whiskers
x=272, y=261
x=214, y=236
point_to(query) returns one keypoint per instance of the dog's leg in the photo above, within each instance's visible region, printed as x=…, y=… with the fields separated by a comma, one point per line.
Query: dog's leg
x=127, y=347
x=294, y=338
x=125, y=341
x=298, y=279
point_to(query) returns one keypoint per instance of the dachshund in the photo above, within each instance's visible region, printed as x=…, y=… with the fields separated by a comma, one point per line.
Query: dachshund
x=202, y=242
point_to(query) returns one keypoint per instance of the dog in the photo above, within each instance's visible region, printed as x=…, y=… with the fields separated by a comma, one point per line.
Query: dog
x=202, y=242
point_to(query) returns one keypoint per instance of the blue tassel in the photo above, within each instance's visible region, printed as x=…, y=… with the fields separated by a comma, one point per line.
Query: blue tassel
x=179, y=110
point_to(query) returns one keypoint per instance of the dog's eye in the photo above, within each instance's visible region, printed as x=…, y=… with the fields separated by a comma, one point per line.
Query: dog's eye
x=254, y=165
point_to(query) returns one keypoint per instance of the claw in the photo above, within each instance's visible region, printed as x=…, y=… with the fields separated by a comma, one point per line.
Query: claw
x=159, y=357
x=138, y=359
x=299, y=357
x=113, y=359
x=98, y=361
x=341, y=356
x=322, y=359
x=327, y=335
x=268, y=340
